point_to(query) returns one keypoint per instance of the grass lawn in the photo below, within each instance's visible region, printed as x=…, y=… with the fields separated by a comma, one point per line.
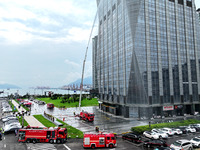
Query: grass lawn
x=44, y=121
x=20, y=120
x=72, y=132
x=12, y=106
x=57, y=102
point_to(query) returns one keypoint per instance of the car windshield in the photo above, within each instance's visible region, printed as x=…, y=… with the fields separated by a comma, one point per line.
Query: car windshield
x=153, y=133
x=160, y=132
x=177, y=144
x=196, y=139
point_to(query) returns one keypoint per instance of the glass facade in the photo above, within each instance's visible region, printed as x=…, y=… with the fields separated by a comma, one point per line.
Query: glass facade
x=147, y=57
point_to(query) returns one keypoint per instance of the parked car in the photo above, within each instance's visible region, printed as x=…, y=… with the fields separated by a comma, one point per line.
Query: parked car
x=168, y=131
x=182, y=144
x=183, y=129
x=131, y=137
x=41, y=102
x=154, y=143
x=163, y=148
x=190, y=129
x=27, y=104
x=196, y=126
x=177, y=131
x=9, y=118
x=160, y=133
x=195, y=142
x=11, y=127
x=151, y=135
x=11, y=122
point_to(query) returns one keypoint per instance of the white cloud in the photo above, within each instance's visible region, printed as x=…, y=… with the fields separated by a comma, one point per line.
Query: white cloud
x=78, y=34
x=71, y=63
x=46, y=12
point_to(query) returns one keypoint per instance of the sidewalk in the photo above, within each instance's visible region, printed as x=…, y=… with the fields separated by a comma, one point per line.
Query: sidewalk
x=32, y=121
x=17, y=106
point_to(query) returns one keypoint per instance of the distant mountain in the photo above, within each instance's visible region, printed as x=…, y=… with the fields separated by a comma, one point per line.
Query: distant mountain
x=87, y=80
x=8, y=86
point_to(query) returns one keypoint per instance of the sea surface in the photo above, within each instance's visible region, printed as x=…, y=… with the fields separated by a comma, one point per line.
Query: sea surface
x=31, y=91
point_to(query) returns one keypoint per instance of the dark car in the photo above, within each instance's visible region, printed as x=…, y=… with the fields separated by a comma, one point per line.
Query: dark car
x=132, y=137
x=162, y=148
x=195, y=126
x=183, y=129
x=155, y=143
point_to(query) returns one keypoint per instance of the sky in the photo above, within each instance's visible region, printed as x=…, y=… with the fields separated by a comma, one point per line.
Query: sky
x=43, y=42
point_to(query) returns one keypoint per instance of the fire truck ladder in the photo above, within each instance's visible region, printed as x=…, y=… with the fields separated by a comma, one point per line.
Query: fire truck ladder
x=81, y=86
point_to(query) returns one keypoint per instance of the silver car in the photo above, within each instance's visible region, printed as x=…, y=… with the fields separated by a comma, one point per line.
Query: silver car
x=182, y=144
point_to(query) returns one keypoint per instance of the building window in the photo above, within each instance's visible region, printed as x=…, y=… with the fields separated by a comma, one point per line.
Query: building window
x=114, y=7
x=189, y=3
x=172, y=0
x=104, y=17
x=180, y=2
x=109, y=13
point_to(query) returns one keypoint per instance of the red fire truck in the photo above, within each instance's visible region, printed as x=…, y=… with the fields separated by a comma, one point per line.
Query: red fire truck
x=94, y=140
x=86, y=116
x=50, y=105
x=51, y=135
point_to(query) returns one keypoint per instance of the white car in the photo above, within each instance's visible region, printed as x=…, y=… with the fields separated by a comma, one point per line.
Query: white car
x=160, y=133
x=9, y=118
x=11, y=127
x=151, y=135
x=182, y=144
x=168, y=131
x=195, y=141
x=11, y=122
x=177, y=131
x=190, y=129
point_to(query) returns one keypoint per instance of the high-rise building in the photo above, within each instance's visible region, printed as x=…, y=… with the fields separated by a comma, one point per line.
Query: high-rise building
x=147, y=57
x=198, y=12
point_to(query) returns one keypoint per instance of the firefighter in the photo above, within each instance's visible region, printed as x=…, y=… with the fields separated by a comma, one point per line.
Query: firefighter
x=0, y=136
x=97, y=129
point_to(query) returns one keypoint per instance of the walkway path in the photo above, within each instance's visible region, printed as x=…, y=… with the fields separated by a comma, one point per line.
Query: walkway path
x=17, y=106
x=32, y=121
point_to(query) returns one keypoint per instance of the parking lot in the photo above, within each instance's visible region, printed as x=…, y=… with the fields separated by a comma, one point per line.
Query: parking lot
x=169, y=140
x=9, y=141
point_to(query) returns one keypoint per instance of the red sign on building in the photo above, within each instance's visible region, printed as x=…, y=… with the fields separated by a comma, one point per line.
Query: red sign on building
x=165, y=108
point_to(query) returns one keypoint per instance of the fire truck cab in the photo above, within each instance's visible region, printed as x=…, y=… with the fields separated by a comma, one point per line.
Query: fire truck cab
x=86, y=116
x=93, y=140
x=51, y=135
x=50, y=105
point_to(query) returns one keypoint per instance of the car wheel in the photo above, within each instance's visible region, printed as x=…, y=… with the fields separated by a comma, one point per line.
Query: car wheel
x=51, y=141
x=58, y=141
x=160, y=137
x=34, y=141
x=93, y=146
x=28, y=141
x=111, y=146
x=199, y=145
